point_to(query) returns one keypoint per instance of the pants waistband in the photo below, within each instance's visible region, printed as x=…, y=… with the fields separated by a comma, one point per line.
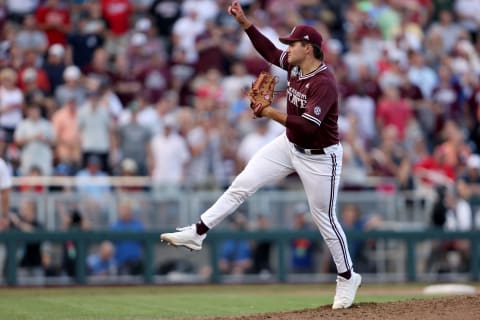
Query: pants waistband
x=309, y=151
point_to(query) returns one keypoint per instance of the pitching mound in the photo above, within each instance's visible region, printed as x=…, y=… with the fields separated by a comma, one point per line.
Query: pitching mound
x=445, y=308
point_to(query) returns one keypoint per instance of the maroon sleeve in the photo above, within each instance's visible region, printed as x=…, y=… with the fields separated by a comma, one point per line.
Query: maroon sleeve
x=300, y=125
x=266, y=48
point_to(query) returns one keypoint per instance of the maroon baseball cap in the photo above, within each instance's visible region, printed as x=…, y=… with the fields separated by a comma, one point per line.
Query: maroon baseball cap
x=303, y=33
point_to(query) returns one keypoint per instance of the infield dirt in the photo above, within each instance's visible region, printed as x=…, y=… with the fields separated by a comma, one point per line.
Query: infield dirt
x=444, y=308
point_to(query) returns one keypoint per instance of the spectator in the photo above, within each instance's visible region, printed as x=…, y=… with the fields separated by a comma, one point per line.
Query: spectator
x=95, y=125
x=54, y=66
x=72, y=86
x=36, y=138
x=126, y=84
x=236, y=255
x=30, y=186
x=204, y=143
x=117, y=14
x=31, y=38
x=452, y=213
x=128, y=253
x=72, y=221
x=164, y=14
x=68, y=149
x=25, y=74
x=352, y=219
x=393, y=109
x=97, y=187
x=31, y=261
x=102, y=262
x=169, y=156
x=87, y=37
x=54, y=19
x=99, y=66
x=261, y=250
x=11, y=103
x=133, y=140
x=155, y=77
x=302, y=258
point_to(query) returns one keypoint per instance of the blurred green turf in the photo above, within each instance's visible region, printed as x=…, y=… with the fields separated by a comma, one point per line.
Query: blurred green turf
x=167, y=302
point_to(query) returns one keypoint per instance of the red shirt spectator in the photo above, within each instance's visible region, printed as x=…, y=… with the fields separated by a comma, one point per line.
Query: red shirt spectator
x=393, y=110
x=55, y=21
x=434, y=170
x=117, y=14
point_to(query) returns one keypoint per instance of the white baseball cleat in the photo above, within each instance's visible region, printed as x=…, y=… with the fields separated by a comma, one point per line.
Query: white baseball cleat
x=184, y=237
x=346, y=291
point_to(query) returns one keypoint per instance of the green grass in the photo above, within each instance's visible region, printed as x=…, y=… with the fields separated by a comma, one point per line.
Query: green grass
x=169, y=302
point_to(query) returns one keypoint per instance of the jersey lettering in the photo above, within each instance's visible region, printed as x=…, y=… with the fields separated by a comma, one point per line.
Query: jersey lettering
x=297, y=98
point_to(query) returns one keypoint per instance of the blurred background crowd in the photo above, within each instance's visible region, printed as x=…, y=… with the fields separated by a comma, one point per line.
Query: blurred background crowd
x=158, y=89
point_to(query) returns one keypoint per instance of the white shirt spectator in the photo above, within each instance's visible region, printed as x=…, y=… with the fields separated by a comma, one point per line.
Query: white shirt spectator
x=184, y=32
x=10, y=119
x=35, y=137
x=363, y=107
x=170, y=155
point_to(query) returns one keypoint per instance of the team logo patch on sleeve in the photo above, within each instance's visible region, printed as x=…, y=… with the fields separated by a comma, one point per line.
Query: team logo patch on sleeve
x=317, y=110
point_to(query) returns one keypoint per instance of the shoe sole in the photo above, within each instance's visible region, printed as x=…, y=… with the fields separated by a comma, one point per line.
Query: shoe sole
x=358, y=286
x=170, y=242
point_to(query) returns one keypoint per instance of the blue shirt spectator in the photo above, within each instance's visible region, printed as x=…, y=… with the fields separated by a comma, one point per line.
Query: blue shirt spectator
x=128, y=253
x=103, y=262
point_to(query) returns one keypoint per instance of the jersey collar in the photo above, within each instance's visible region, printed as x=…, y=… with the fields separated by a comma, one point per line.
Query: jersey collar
x=322, y=67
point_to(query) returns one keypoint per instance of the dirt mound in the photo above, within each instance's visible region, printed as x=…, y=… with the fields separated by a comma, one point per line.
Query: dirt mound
x=445, y=308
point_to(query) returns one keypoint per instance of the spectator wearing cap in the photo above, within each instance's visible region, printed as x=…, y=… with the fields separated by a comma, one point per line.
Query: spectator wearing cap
x=72, y=86
x=64, y=120
x=87, y=36
x=30, y=37
x=55, y=66
x=34, y=95
x=11, y=102
x=36, y=137
x=137, y=54
x=30, y=63
x=133, y=140
x=154, y=45
x=168, y=157
x=54, y=19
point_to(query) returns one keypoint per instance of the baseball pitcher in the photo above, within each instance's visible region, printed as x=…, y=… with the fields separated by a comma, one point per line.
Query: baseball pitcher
x=310, y=147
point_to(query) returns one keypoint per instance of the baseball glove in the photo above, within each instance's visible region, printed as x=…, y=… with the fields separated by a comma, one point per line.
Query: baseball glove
x=261, y=93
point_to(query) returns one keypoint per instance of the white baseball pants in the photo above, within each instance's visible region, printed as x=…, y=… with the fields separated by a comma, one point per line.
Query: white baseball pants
x=320, y=176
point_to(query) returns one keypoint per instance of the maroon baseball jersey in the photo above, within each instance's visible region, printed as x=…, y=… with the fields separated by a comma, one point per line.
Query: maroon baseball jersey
x=312, y=99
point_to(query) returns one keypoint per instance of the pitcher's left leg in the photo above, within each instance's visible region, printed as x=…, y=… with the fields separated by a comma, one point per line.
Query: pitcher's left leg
x=320, y=176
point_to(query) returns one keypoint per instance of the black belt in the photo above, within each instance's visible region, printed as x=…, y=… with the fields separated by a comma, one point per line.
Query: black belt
x=309, y=151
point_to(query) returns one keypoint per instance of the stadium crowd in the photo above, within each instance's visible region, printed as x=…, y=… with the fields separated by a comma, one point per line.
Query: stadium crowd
x=159, y=88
